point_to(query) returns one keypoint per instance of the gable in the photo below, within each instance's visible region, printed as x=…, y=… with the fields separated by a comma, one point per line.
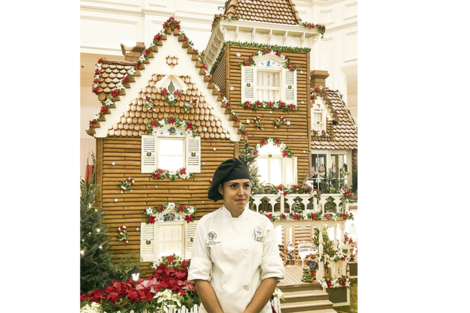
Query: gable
x=185, y=67
x=269, y=11
x=343, y=133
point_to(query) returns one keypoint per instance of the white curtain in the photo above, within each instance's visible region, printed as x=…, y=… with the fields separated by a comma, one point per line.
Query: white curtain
x=268, y=79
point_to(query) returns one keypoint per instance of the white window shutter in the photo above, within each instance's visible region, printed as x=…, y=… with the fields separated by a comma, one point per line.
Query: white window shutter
x=249, y=80
x=290, y=86
x=190, y=231
x=148, y=241
x=149, y=154
x=193, y=152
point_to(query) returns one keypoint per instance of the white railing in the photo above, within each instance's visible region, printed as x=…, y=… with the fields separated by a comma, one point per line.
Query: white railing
x=318, y=205
x=195, y=309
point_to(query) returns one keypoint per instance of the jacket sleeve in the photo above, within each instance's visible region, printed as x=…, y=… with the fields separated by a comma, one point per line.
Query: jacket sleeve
x=271, y=262
x=201, y=264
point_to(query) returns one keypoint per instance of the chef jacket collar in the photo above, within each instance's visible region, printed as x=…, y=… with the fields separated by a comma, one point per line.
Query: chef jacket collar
x=227, y=213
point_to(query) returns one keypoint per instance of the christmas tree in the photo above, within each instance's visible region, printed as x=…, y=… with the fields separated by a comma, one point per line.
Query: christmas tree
x=246, y=156
x=306, y=276
x=95, y=259
x=327, y=245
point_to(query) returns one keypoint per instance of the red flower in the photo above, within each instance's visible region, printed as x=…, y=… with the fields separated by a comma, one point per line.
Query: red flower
x=171, y=120
x=95, y=90
x=285, y=193
x=258, y=103
x=316, y=90
x=229, y=105
x=115, y=93
x=92, y=123
x=180, y=208
x=158, y=176
x=104, y=109
x=160, y=171
x=83, y=297
x=322, y=132
x=100, y=61
x=164, y=92
x=186, y=39
x=277, y=141
x=96, y=81
x=160, y=208
x=166, y=25
x=137, y=65
x=255, y=152
x=96, y=295
x=152, y=219
x=262, y=142
x=97, y=72
x=236, y=119
x=178, y=94
x=188, y=218
x=157, y=37
x=155, y=123
x=285, y=153
x=245, y=133
x=295, y=187
x=246, y=105
x=282, y=105
x=170, y=259
x=296, y=217
x=126, y=79
x=147, y=51
x=270, y=104
x=189, y=126
x=212, y=178
x=314, y=217
x=183, y=170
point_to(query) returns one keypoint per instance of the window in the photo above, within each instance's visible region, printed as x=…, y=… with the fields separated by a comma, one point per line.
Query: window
x=331, y=170
x=269, y=81
x=171, y=153
x=318, y=119
x=170, y=239
x=166, y=238
x=275, y=169
x=170, y=148
x=269, y=85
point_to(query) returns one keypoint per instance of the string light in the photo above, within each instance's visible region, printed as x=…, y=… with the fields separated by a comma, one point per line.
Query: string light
x=82, y=252
x=98, y=230
x=101, y=247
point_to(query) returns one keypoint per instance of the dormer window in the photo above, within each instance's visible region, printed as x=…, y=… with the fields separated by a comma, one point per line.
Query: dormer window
x=318, y=119
x=267, y=80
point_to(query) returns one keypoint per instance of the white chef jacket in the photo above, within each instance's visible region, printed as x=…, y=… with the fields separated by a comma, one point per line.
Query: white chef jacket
x=234, y=262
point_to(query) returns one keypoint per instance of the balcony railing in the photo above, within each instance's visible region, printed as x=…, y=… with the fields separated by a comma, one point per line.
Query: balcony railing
x=310, y=203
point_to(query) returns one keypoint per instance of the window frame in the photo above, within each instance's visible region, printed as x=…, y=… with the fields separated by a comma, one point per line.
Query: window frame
x=261, y=69
x=283, y=166
x=158, y=241
x=323, y=118
x=164, y=137
x=328, y=164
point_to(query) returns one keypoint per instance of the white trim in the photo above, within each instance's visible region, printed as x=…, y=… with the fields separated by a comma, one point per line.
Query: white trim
x=172, y=223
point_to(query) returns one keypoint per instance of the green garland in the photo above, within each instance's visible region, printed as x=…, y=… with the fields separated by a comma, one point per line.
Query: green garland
x=220, y=17
x=247, y=44
x=217, y=61
x=270, y=105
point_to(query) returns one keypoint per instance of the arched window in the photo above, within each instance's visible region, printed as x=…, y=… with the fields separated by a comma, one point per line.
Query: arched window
x=275, y=169
x=171, y=87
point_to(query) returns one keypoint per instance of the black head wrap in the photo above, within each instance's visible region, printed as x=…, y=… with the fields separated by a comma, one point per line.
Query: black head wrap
x=227, y=170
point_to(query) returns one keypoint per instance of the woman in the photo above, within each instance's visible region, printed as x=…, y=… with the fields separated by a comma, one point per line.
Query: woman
x=235, y=262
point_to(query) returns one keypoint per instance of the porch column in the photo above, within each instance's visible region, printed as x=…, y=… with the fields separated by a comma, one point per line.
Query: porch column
x=281, y=203
x=320, y=273
x=335, y=243
x=342, y=226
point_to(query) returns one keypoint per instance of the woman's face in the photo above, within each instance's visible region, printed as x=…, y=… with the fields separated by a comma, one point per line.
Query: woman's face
x=236, y=193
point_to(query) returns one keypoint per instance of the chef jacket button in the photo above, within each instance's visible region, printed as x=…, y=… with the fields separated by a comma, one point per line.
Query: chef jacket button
x=224, y=287
x=225, y=220
x=247, y=251
x=246, y=287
